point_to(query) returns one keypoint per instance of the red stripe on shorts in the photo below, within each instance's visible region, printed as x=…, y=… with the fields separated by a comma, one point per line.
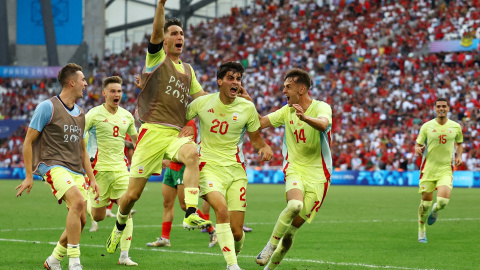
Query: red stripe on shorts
x=144, y=130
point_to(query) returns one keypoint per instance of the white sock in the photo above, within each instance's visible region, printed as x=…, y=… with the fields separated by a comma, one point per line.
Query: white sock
x=124, y=254
x=73, y=261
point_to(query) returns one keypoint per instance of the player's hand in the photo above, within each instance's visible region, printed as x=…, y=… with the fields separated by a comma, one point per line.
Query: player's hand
x=458, y=161
x=166, y=163
x=186, y=131
x=138, y=81
x=94, y=188
x=265, y=153
x=244, y=94
x=26, y=184
x=419, y=150
x=299, y=111
x=162, y=2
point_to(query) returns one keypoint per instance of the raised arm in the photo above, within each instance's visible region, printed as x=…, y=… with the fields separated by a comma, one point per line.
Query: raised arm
x=30, y=138
x=264, y=150
x=320, y=123
x=158, y=23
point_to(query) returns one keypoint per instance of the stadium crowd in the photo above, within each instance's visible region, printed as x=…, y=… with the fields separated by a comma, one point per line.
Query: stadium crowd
x=368, y=59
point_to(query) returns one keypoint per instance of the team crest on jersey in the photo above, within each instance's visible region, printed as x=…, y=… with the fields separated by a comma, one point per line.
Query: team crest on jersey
x=97, y=201
x=210, y=184
x=235, y=116
x=450, y=130
x=295, y=183
x=68, y=181
x=140, y=169
x=423, y=187
x=124, y=121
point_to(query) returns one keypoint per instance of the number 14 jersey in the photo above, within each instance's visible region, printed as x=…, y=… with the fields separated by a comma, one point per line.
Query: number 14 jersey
x=222, y=128
x=303, y=146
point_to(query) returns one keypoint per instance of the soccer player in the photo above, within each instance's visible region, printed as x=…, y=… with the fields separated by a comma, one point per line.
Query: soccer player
x=307, y=165
x=173, y=186
x=224, y=119
x=161, y=107
x=54, y=149
x=108, y=125
x=436, y=142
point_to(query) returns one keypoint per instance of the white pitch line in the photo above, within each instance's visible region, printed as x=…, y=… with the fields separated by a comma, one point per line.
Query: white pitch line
x=217, y=254
x=256, y=223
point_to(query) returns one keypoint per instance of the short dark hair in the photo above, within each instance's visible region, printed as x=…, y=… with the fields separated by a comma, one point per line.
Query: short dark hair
x=442, y=99
x=67, y=71
x=233, y=66
x=170, y=22
x=299, y=76
x=112, y=79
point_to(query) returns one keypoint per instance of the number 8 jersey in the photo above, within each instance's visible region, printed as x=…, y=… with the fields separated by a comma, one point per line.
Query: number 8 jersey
x=438, y=157
x=106, y=137
x=303, y=146
x=222, y=128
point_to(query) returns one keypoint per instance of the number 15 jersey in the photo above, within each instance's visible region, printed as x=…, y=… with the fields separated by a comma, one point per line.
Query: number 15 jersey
x=222, y=128
x=106, y=139
x=438, y=157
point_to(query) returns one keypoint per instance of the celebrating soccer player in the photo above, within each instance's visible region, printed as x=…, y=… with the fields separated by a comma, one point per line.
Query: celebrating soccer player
x=307, y=164
x=171, y=187
x=108, y=125
x=224, y=119
x=441, y=135
x=161, y=107
x=54, y=148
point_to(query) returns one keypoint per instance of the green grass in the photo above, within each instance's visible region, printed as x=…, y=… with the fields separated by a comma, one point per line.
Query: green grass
x=357, y=227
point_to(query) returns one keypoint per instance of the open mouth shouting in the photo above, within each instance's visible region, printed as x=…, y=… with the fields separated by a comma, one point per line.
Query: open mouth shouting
x=234, y=90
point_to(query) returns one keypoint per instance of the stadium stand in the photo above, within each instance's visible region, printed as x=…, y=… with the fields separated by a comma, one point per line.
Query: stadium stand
x=367, y=60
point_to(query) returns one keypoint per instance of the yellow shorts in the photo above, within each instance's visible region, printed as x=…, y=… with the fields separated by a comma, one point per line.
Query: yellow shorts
x=429, y=185
x=155, y=143
x=112, y=186
x=61, y=180
x=231, y=181
x=313, y=190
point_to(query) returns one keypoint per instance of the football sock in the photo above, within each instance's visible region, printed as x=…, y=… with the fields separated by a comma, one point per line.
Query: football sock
x=126, y=239
x=239, y=244
x=441, y=203
x=282, y=249
x=226, y=243
x=121, y=220
x=166, y=228
x=73, y=251
x=59, y=252
x=285, y=219
x=191, y=200
x=423, y=214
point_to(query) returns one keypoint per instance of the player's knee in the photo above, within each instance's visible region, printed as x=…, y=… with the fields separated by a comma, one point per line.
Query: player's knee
x=442, y=203
x=295, y=206
x=167, y=204
x=237, y=234
x=132, y=197
x=190, y=157
x=222, y=215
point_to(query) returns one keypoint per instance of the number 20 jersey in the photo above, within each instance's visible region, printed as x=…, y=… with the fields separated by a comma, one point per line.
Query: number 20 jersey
x=222, y=128
x=106, y=137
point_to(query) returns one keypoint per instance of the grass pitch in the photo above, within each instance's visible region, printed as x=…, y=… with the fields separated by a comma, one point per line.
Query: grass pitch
x=358, y=227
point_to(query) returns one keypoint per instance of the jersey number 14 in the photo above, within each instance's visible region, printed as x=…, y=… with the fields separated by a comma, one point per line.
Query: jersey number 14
x=300, y=135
